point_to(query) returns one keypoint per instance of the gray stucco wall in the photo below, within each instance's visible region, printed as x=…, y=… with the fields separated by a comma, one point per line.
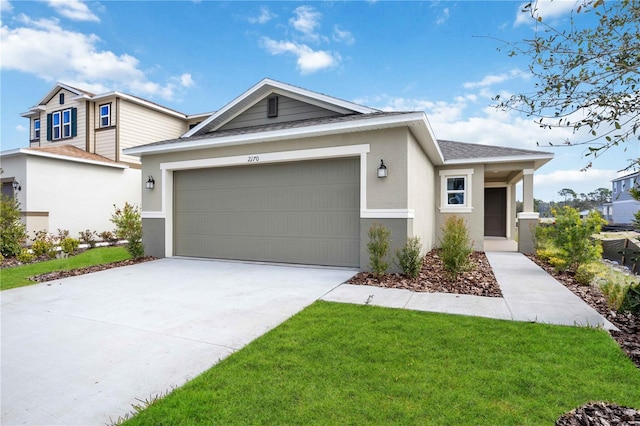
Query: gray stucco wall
x=421, y=194
x=153, y=237
x=400, y=229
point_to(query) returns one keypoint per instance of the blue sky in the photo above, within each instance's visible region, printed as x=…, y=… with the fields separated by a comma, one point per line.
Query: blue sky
x=195, y=56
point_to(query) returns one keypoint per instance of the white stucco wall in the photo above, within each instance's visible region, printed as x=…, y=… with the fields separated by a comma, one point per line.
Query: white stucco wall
x=76, y=195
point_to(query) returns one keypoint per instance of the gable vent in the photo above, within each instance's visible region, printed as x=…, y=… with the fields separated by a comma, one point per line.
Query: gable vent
x=272, y=106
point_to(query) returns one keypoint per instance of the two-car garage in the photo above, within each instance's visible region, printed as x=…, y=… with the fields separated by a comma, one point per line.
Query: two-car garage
x=305, y=212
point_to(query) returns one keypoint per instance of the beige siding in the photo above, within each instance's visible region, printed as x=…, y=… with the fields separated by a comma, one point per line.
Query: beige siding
x=140, y=125
x=288, y=110
x=105, y=143
x=54, y=105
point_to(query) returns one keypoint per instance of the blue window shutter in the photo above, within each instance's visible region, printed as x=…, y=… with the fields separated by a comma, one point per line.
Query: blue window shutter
x=49, y=125
x=74, y=122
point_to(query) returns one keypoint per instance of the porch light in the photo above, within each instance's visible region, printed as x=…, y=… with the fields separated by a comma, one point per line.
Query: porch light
x=16, y=186
x=382, y=170
x=150, y=182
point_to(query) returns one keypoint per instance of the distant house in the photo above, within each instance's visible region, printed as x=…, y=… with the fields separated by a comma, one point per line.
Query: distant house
x=623, y=205
x=73, y=169
x=285, y=174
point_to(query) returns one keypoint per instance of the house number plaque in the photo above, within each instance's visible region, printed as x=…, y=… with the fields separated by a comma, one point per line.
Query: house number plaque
x=253, y=159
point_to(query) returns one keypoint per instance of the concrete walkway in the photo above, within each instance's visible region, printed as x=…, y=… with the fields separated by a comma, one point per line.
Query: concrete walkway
x=529, y=294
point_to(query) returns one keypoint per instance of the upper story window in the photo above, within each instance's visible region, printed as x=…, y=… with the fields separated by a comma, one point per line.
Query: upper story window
x=105, y=115
x=455, y=191
x=61, y=98
x=36, y=128
x=62, y=124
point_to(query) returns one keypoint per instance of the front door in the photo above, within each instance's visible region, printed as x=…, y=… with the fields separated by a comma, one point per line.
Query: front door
x=495, y=212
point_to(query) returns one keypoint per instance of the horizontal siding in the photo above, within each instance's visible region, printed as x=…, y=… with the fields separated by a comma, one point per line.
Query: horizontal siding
x=54, y=105
x=139, y=125
x=288, y=110
x=105, y=143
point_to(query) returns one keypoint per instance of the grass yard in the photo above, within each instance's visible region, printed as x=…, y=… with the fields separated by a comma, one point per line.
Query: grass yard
x=18, y=276
x=348, y=364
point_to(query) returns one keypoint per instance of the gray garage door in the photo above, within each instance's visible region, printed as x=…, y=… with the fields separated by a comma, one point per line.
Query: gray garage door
x=304, y=212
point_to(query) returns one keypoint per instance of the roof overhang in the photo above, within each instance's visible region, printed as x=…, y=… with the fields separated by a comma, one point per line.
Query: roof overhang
x=415, y=121
x=34, y=153
x=539, y=160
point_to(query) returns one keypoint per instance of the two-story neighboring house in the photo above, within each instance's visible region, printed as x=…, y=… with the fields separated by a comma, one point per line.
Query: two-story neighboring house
x=74, y=171
x=623, y=205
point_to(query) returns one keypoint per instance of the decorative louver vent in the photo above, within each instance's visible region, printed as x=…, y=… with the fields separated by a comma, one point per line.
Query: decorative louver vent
x=272, y=106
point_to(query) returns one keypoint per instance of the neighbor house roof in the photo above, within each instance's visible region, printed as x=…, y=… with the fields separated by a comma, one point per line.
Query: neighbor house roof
x=463, y=152
x=72, y=151
x=65, y=153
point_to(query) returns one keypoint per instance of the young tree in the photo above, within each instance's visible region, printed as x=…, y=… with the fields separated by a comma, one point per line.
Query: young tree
x=587, y=77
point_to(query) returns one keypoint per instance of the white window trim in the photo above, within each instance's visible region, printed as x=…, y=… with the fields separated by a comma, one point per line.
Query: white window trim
x=66, y=125
x=467, y=207
x=55, y=126
x=36, y=130
x=108, y=115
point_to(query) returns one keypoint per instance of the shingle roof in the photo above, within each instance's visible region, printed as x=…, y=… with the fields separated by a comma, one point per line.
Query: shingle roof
x=470, y=151
x=72, y=151
x=280, y=126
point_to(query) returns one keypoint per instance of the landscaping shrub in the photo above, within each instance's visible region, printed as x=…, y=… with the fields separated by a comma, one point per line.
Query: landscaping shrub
x=378, y=248
x=88, y=237
x=631, y=301
x=569, y=243
x=62, y=234
x=409, y=257
x=455, y=247
x=12, y=230
x=128, y=223
x=25, y=256
x=69, y=245
x=44, y=244
x=587, y=273
x=108, y=237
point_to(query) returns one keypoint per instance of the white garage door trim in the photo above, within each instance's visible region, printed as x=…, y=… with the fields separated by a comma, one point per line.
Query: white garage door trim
x=262, y=158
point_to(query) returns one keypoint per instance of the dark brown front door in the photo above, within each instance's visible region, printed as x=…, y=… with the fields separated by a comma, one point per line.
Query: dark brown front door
x=495, y=212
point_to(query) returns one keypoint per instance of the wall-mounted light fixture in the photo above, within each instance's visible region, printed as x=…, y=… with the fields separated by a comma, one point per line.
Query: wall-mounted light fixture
x=16, y=186
x=382, y=170
x=150, y=182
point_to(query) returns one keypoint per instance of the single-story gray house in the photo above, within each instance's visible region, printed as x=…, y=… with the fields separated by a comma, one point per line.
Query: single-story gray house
x=284, y=174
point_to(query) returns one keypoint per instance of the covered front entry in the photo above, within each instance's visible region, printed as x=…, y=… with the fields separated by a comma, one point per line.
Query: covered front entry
x=305, y=212
x=495, y=212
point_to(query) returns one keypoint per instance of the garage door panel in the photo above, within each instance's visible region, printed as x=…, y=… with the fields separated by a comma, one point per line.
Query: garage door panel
x=305, y=212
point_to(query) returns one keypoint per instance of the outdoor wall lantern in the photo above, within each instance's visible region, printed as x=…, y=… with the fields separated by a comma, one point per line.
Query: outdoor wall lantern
x=16, y=186
x=150, y=182
x=382, y=170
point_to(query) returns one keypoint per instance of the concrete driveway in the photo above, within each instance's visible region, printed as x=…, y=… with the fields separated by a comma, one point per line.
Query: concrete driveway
x=81, y=350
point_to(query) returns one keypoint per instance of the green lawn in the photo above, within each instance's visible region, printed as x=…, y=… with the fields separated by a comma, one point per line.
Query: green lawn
x=19, y=276
x=347, y=364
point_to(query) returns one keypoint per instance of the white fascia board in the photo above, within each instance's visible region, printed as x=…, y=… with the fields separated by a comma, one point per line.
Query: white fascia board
x=516, y=158
x=26, y=151
x=319, y=130
x=55, y=88
x=140, y=101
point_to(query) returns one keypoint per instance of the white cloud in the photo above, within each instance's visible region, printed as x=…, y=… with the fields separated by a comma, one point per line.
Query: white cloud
x=6, y=6
x=20, y=128
x=492, y=79
x=306, y=20
x=443, y=17
x=544, y=9
x=343, y=36
x=308, y=60
x=73, y=9
x=76, y=59
x=264, y=17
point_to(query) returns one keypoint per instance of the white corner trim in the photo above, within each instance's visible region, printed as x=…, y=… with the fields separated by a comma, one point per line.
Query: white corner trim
x=528, y=171
x=453, y=172
x=387, y=214
x=152, y=215
x=529, y=215
x=268, y=157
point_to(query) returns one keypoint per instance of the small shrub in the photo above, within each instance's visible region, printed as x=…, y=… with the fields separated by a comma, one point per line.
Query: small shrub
x=88, y=237
x=25, y=256
x=378, y=248
x=587, y=273
x=12, y=230
x=44, y=244
x=409, y=257
x=128, y=221
x=69, y=245
x=455, y=247
x=631, y=301
x=108, y=237
x=62, y=234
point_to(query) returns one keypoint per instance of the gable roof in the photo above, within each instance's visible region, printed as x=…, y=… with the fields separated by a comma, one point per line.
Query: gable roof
x=471, y=152
x=265, y=88
x=66, y=153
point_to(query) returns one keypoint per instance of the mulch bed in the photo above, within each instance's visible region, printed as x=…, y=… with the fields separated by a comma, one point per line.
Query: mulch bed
x=600, y=414
x=56, y=275
x=479, y=281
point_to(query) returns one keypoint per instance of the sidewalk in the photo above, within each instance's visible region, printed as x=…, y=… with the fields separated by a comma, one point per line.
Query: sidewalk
x=529, y=294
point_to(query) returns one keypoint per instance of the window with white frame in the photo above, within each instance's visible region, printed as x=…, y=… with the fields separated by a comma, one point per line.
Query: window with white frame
x=57, y=125
x=105, y=115
x=36, y=128
x=66, y=123
x=62, y=124
x=455, y=190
